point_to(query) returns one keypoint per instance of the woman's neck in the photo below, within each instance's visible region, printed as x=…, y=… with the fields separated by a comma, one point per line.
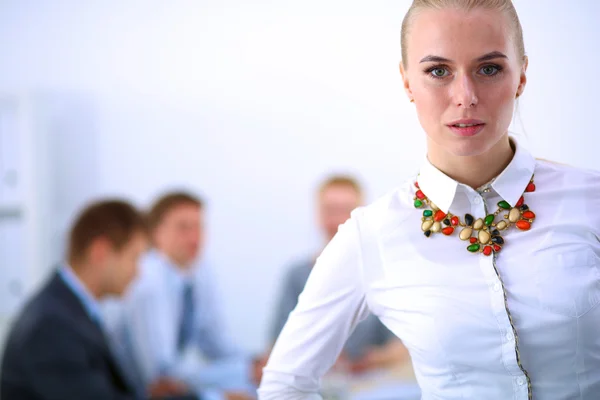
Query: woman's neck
x=474, y=171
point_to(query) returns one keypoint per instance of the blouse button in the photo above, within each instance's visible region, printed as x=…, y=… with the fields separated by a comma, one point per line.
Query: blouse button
x=496, y=287
x=520, y=381
x=509, y=336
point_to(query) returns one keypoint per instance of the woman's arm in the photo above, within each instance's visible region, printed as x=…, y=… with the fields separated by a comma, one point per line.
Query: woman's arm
x=329, y=308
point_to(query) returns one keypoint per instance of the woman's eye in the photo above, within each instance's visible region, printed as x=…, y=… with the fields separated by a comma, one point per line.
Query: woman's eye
x=489, y=70
x=439, y=72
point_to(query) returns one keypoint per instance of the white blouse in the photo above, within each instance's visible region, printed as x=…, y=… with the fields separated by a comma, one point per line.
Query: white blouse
x=518, y=324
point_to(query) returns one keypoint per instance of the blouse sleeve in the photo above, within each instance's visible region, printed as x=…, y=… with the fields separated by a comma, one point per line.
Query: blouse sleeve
x=331, y=305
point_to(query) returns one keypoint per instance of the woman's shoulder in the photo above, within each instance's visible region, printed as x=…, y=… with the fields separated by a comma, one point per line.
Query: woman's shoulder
x=581, y=182
x=571, y=191
x=566, y=169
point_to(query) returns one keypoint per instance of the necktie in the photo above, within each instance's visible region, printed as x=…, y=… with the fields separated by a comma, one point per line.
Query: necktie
x=186, y=328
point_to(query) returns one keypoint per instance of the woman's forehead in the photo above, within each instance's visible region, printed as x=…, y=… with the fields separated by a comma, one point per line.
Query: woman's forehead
x=459, y=35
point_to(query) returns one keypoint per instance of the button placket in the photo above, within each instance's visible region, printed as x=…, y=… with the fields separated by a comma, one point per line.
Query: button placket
x=510, y=355
x=521, y=388
x=510, y=348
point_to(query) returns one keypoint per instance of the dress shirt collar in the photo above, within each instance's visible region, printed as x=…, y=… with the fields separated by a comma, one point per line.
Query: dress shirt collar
x=78, y=288
x=510, y=184
x=174, y=272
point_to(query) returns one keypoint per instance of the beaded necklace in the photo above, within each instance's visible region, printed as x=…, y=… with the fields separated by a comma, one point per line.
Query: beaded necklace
x=488, y=238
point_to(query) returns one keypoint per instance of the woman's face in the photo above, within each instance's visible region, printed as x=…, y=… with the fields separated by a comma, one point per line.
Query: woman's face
x=463, y=68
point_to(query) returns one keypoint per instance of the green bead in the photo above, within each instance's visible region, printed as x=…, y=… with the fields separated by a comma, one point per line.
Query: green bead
x=427, y=213
x=418, y=203
x=489, y=219
x=473, y=248
x=504, y=204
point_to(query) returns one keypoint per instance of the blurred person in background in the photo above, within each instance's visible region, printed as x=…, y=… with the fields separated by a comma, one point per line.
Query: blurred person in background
x=371, y=345
x=56, y=348
x=172, y=316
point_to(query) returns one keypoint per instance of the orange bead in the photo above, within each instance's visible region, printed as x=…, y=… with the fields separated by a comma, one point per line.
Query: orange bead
x=473, y=240
x=448, y=231
x=487, y=250
x=497, y=248
x=454, y=221
x=523, y=225
x=529, y=215
x=530, y=187
x=439, y=216
x=420, y=195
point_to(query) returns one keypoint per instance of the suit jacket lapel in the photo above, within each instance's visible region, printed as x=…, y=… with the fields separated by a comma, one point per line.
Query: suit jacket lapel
x=88, y=328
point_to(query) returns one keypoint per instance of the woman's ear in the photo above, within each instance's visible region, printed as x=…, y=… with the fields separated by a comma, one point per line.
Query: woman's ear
x=405, y=82
x=523, y=77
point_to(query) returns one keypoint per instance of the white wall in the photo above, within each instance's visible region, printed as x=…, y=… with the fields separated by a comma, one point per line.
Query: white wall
x=251, y=102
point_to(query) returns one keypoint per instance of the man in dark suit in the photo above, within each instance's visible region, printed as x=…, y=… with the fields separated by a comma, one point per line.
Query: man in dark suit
x=56, y=349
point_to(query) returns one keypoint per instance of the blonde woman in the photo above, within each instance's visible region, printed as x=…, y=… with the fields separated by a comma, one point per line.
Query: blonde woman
x=487, y=264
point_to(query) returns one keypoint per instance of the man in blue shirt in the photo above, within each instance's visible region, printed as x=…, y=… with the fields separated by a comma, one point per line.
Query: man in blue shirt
x=371, y=345
x=173, y=322
x=56, y=348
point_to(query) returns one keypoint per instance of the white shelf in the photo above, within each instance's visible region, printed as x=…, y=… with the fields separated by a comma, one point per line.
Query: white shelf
x=37, y=171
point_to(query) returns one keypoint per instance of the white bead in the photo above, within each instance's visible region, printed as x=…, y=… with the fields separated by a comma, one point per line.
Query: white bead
x=465, y=234
x=484, y=237
x=426, y=225
x=514, y=215
x=478, y=224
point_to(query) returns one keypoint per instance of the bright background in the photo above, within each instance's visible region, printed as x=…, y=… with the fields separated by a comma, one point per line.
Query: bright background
x=249, y=103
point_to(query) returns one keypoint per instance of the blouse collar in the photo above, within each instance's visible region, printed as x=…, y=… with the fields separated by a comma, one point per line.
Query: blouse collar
x=510, y=184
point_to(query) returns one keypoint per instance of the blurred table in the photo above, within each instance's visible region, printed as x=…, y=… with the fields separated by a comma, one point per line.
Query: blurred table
x=397, y=383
